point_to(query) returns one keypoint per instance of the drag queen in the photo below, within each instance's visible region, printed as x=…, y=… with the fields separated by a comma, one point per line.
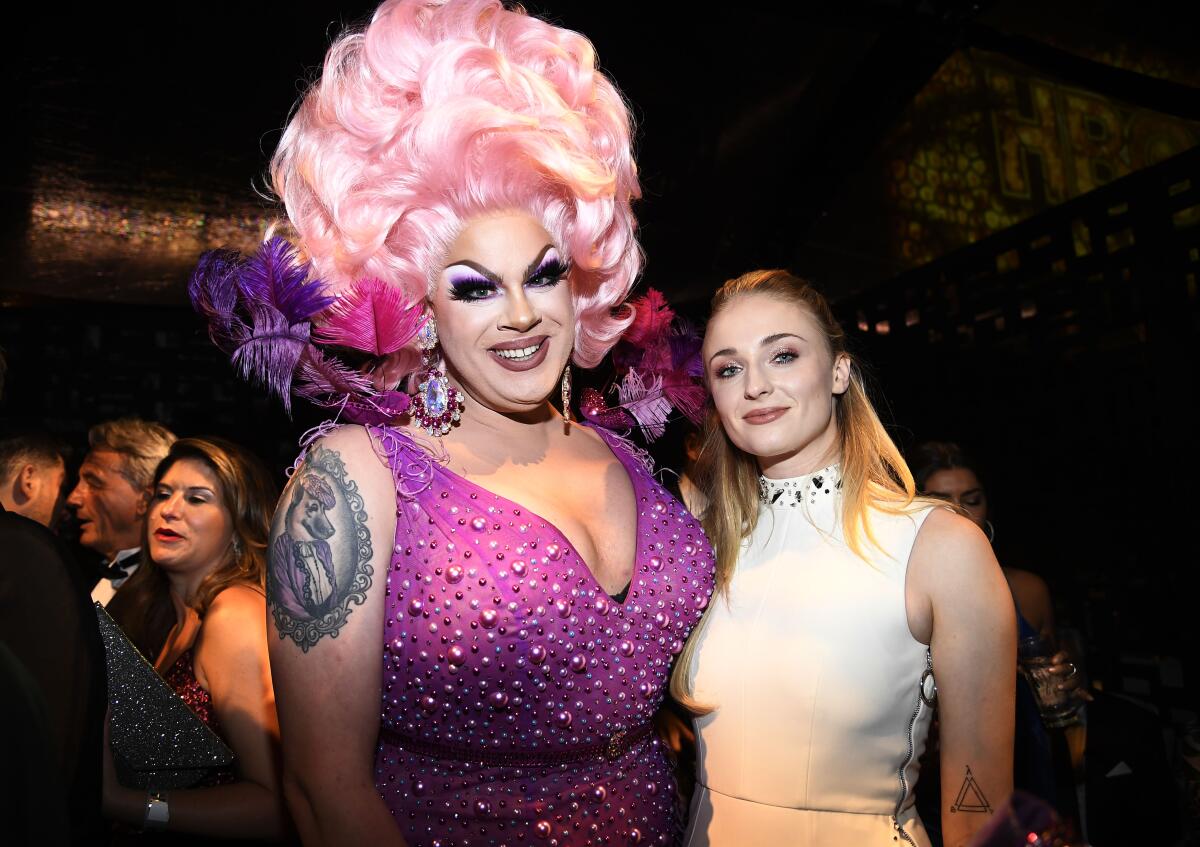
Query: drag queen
x=476, y=602
x=843, y=598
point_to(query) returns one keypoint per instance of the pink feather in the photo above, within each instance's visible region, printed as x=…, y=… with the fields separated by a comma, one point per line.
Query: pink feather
x=652, y=318
x=686, y=395
x=371, y=316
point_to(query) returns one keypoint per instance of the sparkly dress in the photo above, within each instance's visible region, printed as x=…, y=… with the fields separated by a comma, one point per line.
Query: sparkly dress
x=181, y=676
x=517, y=695
x=823, y=697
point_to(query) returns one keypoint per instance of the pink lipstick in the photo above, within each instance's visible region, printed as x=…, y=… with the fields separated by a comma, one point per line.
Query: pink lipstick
x=764, y=416
x=521, y=354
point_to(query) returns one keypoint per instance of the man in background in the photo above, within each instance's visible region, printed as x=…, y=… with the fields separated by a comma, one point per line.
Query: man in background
x=52, y=683
x=113, y=495
x=32, y=471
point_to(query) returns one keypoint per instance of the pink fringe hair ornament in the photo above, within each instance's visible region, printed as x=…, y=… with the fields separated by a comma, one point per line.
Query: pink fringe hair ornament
x=439, y=112
x=432, y=115
x=659, y=371
x=262, y=309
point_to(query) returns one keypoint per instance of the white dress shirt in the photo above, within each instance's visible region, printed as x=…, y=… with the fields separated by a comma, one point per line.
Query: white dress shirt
x=106, y=588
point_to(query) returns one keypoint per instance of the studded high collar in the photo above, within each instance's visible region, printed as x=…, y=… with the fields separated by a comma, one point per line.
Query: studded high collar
x=800, y=490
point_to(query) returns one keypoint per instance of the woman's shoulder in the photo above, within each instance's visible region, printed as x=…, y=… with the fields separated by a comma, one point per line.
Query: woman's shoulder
x=234, y=613
x=951, y=554
x=1026, y=582
x=236, y=599
x=942, y=526
x=234, y=625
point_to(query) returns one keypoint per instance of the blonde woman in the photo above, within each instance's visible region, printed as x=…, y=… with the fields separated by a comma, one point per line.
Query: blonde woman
x=843, y=598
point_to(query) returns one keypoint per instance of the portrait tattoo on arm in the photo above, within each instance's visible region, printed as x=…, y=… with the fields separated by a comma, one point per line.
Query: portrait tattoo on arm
x=970, y=796
x=320, y=551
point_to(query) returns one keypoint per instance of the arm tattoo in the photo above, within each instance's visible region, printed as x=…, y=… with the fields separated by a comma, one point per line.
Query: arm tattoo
x=320, y=551
x=970, y=796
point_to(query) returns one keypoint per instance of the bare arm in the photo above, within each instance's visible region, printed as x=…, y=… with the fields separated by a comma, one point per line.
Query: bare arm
x=231, y=664
x=955, y=579
x=331, y=544
x=1033, y=599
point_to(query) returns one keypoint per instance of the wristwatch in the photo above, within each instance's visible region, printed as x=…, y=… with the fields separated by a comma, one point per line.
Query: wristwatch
x=158, y=811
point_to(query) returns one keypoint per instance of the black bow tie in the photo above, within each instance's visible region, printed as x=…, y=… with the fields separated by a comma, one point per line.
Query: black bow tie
x=113, y=572
x=121, y=569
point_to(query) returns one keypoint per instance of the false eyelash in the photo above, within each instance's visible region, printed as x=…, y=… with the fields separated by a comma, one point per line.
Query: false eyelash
x=468, y=288
x=549, y=272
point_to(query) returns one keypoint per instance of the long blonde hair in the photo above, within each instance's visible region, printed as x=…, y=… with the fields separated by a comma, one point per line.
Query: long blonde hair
x=873, y=473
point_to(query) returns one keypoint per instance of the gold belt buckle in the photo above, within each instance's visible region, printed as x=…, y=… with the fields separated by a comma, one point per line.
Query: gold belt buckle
x=612, y=751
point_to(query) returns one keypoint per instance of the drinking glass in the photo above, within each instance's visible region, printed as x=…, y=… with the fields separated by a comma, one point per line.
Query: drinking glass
x=1057, y=707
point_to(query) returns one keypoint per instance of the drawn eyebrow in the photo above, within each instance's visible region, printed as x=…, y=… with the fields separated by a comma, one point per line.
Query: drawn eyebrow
x=479, y=269
x=494, y=277
x=537, y=262
x=770, y=339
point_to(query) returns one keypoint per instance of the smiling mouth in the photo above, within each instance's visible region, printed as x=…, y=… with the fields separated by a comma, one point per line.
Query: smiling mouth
x=764, y=416
x=520, y=353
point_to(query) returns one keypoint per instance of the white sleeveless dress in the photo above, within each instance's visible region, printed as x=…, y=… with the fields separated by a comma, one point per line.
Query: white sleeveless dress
x=823, y=697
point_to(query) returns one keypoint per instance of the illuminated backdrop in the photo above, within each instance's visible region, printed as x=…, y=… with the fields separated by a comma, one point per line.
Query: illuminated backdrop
x=987, y=143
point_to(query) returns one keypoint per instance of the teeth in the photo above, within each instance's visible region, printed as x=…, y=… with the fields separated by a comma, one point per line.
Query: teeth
x=519, y=353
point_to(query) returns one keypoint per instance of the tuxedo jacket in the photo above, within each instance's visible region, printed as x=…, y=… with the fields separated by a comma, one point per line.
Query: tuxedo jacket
x=53, y=648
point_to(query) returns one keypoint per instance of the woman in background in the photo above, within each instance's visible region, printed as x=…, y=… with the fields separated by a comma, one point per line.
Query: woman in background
x=843, y=597
x=943, y=470
x=206, y=542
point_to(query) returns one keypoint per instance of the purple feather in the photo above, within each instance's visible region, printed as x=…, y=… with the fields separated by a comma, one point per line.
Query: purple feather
x=260, y=311
x=320, y=376
x=213, y=290
x=645, y=401
x=685, y=342
x=274, y=278
x=270, y=355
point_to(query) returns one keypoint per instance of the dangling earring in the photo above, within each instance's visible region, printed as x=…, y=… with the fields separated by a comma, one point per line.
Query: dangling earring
x=237, y=547
x=990, y=529
x=436, y=404
x=566, y=394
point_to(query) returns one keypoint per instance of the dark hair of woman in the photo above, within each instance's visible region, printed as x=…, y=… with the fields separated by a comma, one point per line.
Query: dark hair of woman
x=249, y=495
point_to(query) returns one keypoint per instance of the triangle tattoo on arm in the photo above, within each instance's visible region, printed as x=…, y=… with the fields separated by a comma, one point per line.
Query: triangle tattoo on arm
x=970, y=797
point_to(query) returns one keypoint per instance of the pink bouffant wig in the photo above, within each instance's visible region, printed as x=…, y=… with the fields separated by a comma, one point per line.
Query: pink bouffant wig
x=442, y=111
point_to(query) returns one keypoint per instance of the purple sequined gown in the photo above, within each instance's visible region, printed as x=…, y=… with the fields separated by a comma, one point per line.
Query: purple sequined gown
x=517, y=695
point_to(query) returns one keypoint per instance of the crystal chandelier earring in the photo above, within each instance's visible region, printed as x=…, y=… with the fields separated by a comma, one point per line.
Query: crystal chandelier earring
x=566, y=394
x=436, y=404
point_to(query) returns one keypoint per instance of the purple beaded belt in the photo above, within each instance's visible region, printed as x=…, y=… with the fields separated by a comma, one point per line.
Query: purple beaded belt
x=617, y=745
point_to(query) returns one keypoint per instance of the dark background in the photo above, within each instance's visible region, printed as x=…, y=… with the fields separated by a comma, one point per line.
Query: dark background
x=1000, y=198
